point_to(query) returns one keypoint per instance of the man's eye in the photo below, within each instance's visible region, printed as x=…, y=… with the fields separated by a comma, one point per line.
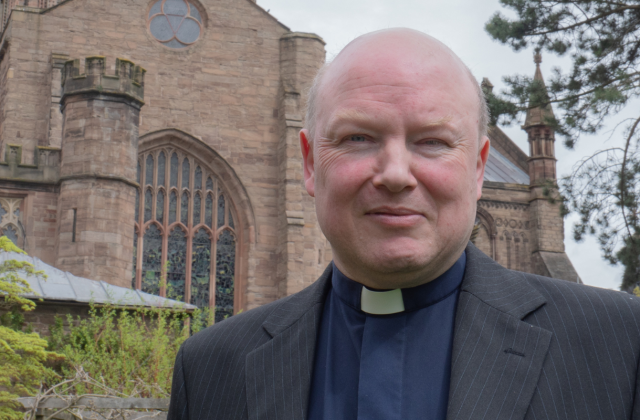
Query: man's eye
x=356, y=137
x=432, y=142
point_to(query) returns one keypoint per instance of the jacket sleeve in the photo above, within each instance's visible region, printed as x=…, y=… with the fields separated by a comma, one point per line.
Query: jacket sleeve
x=178, y=407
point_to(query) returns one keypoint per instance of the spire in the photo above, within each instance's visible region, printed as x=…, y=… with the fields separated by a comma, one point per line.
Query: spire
x=538, y=115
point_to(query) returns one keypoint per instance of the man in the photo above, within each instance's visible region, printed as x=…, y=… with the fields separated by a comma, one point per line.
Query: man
x=410, y=321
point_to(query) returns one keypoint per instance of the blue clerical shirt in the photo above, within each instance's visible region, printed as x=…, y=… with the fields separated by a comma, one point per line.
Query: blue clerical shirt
x=389, y=367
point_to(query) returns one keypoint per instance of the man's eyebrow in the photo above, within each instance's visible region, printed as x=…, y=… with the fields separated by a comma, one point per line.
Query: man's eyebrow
x=358, y=117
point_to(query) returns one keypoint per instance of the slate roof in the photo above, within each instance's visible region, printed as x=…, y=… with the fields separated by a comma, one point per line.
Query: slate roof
x=500, y=169
x=64, y=286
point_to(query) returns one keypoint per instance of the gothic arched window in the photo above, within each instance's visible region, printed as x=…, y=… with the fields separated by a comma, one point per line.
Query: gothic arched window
x=185, y=232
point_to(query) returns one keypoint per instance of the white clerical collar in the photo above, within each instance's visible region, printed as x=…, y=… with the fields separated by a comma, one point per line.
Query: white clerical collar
x=381, y=303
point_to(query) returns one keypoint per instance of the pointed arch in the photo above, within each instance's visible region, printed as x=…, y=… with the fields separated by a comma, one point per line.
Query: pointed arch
x=199, y=179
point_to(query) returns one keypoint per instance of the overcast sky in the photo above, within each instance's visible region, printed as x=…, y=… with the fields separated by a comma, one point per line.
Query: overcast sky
x=460, y=25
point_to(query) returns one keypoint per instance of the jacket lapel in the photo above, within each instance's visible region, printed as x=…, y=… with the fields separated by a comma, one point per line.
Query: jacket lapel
x=497, y=357
x=278, y=373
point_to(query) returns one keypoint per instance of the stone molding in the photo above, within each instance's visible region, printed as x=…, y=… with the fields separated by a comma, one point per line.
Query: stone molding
x=503, y=205
x=45, y=168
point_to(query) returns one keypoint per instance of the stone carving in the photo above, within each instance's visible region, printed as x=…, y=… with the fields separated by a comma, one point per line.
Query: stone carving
x=503, y=205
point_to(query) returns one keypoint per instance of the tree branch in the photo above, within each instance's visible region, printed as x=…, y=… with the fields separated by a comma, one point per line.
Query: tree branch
x=586, y=21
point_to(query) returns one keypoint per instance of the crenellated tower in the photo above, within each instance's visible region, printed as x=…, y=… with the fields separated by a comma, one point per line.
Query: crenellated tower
x=97, y=200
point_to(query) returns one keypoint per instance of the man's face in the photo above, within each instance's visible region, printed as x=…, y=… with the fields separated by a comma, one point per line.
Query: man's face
x=396, y=167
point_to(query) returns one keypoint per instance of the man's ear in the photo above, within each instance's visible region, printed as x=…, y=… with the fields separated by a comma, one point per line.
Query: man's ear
x=483, y=155
x=307, y=160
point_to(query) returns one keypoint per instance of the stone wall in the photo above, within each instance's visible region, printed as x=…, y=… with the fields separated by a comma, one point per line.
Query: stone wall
x=225, y=90
x=506, y=216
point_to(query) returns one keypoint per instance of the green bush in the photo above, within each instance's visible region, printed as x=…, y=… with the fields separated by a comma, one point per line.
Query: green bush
x=23, y=355
x=124, y=348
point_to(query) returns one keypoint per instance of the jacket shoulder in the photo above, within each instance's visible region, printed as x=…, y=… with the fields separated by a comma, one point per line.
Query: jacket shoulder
x=241, y=331
x=588, y=307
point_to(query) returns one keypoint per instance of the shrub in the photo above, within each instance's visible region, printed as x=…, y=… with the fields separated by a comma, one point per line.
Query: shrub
x=123, y=348
x=23, y=354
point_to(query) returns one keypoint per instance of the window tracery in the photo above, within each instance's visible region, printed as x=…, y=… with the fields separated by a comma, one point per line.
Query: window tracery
x=182, y=234
x=175, y=23
x=10, y=225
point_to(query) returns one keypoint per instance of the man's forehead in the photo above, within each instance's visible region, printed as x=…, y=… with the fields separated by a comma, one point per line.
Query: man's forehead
x=394, y=50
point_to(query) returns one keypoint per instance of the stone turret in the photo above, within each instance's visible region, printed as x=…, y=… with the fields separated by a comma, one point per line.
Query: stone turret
x=542, y=160
x=547, y=234
x=101, y=113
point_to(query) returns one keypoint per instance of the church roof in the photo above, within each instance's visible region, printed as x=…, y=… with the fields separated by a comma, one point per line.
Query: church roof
x=64, y=286
x=539, y=114
x=500, y=169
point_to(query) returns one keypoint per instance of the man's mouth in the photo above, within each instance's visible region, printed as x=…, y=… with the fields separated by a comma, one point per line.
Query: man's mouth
x=395, y=216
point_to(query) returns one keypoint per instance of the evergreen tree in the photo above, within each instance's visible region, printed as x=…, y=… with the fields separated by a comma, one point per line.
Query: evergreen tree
x=602, y=39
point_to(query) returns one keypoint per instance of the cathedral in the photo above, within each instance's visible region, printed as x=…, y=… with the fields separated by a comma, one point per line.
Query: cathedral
x=153, y=145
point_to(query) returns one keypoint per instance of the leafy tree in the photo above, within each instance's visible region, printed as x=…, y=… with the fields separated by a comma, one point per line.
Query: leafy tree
x=23, y=355
x=602, y=39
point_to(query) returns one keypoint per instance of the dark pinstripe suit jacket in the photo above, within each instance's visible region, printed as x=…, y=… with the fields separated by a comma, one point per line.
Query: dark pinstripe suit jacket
x=525, y=347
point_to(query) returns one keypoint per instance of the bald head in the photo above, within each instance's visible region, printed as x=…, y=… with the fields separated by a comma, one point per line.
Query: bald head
x=397, y=49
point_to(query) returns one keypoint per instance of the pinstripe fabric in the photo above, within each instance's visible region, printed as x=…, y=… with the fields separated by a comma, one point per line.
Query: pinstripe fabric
x=525, y=347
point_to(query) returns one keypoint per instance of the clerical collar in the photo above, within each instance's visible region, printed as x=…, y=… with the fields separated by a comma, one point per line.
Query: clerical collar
x=398, y=300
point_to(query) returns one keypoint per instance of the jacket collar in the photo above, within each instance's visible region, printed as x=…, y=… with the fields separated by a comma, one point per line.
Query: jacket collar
x=505, y=290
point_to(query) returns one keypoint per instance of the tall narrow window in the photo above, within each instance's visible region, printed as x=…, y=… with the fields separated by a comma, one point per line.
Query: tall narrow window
x=184, y=209
x=176, y=264
x=152, y=260
x=174, y=170
x=75, y=220
x=148, y=177
x=161, y=169
x=197, y=205
x=173, y=207
x=186, y=173
x=198, y=232
x=225, y=275
x=200, y=268
x=148, y=203
x=160, y=206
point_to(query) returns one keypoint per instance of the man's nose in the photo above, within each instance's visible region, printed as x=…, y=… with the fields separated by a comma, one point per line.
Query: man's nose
x=394, y=167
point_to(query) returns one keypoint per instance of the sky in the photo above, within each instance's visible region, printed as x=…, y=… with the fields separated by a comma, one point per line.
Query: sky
x=460, y=25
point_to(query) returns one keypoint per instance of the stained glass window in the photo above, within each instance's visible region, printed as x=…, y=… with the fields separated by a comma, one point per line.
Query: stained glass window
x=174, y=170
x=225, y=273
x=11, y=233
x=176, y=264
x=221, y=210
x=213, y=223
x=184, y=209
x=200, y=269
x=161, y=169
x=148, y=202
x=186, y=173
x=198, y=179
x=173, y=207
x=138, y=173
x=149, y=171
x=197, y=205
x=160, y=206
x=175, y=23
x=208, y=210
x=152, y=260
